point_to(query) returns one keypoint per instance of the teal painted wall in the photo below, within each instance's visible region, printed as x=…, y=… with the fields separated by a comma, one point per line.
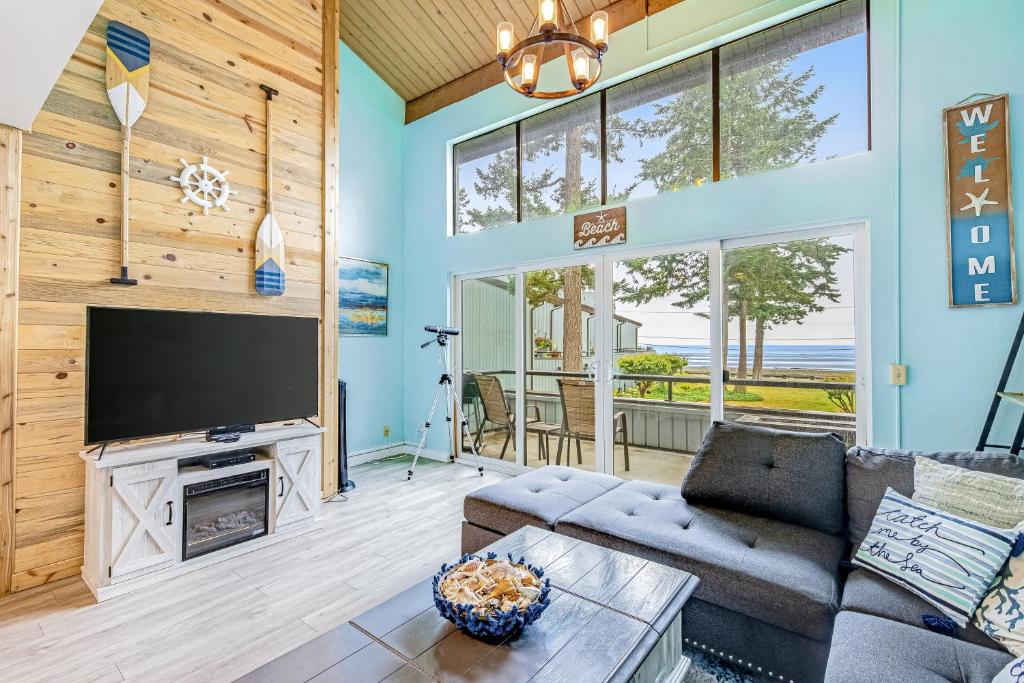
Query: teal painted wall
x=372, y=225
x=955, y=356
x=918, y=66
x=855, y=188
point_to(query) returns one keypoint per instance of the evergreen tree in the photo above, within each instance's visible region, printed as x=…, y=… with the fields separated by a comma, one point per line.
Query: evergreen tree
x=768, y=285
x=767, y=122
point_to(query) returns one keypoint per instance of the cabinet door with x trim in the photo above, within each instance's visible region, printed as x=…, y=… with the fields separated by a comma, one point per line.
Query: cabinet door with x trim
x=297, y=481
x=142, y=517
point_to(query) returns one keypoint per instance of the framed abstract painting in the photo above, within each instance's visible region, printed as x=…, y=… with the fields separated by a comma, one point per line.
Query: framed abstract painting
x=362, y=297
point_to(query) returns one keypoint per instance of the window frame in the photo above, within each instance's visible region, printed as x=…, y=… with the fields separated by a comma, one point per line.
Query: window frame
x=453, y=208
x=716, y=108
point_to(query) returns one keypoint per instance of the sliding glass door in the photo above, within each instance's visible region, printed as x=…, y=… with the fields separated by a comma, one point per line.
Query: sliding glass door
x=790, y=333
x=661, y=363
x=488, y=363
x=561, y=356
x=619, y=363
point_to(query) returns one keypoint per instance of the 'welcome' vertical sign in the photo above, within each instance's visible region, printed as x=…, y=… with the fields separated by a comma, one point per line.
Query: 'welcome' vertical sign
x=982, y=271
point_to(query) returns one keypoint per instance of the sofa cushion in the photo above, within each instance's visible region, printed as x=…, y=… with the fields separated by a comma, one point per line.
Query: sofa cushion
x=869, y=471
x=869, y=593
x=1001, y=611
x=947, y=560
x=779, y=573
x=788, y=476
x=991, y=499
x=538, y=497
x=867, y=648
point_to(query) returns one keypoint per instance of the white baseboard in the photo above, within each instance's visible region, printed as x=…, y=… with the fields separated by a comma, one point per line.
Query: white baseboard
x=401, y=448
x=375, y=453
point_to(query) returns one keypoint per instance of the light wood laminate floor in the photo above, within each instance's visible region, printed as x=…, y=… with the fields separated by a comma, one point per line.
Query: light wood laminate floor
x=225, y=620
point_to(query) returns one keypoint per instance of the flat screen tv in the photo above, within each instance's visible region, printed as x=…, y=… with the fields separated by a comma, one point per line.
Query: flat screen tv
x=154, y=373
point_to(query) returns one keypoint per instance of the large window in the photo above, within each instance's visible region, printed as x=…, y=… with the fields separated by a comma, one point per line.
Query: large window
x=561, y=163
x=485, y=180
x=795, y=93
x=792, y=94
x=660, y=131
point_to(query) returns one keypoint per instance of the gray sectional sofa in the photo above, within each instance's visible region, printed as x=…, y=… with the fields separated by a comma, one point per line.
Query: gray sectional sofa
x=766, y=520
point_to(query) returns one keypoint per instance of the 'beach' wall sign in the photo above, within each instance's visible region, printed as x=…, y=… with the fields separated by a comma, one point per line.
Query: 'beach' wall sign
x=979, y=210
x=599, y=228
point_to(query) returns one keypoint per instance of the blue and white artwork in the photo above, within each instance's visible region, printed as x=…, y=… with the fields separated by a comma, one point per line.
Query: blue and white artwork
x=362, y=297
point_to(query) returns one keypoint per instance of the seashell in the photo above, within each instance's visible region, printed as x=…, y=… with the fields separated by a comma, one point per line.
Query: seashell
x=529, y=593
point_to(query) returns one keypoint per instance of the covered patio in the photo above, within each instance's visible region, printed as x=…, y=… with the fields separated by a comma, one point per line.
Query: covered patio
x=662, y=435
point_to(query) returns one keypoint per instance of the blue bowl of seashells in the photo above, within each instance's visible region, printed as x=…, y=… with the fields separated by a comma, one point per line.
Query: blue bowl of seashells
x=491, y=598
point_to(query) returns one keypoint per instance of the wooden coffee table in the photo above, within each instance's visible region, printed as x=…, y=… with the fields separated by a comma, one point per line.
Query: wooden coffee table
x=612, y=617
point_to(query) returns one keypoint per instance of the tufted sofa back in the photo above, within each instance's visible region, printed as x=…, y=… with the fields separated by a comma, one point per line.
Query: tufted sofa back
x=869, y=471
x=788, y=476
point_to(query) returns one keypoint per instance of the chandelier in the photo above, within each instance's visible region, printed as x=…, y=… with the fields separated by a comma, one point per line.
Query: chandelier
x=553, y=26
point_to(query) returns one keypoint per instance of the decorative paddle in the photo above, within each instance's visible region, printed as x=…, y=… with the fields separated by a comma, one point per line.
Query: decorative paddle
x=269, y=242
x=128, y=90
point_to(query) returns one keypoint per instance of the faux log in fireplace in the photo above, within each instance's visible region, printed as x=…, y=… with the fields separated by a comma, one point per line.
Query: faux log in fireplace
x=223, y=512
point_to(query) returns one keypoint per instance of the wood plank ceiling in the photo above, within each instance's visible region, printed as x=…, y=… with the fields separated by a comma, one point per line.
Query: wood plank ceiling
x=418, y=46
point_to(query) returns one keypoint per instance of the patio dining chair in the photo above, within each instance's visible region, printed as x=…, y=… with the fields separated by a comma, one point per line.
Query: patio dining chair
x=497, y=412
x=578, y=418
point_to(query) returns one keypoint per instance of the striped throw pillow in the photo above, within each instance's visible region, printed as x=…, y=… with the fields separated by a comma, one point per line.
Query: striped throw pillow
x=947, y=560
x=1011, y=673
x=987, y=498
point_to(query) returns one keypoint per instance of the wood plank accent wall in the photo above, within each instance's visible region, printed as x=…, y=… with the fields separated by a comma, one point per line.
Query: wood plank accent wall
x=208, y=59
x=10, y=171
x=332, y=167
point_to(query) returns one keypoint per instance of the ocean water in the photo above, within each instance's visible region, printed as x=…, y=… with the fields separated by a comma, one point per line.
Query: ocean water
x=805, y=356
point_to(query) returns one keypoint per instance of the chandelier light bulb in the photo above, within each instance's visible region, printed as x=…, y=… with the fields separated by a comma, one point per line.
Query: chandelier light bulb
x=506, y=38
x=599, y=29
x=581, y=67
x=548, y=15
x=529, y=72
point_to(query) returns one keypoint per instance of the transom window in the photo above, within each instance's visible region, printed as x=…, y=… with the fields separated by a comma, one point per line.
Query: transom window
x=791, y=94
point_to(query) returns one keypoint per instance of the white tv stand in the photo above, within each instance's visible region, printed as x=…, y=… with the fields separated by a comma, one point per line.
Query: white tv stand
x=134, y=503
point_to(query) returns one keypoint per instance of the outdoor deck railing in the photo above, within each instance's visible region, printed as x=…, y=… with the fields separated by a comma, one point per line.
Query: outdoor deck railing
x=670, y=380
x=679, y=425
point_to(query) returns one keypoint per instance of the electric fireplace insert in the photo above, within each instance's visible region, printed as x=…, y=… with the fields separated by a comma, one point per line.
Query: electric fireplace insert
x=223, y=512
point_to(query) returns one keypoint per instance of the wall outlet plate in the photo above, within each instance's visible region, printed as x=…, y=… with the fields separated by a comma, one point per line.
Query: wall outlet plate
x=898, y=375
x=387, y=431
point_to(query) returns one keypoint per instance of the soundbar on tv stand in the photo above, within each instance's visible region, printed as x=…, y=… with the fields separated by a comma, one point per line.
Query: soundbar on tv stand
x=229, y=434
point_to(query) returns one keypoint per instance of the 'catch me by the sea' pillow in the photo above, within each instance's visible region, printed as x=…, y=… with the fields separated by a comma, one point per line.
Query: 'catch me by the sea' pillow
x=1011, y=673
x=947, y=560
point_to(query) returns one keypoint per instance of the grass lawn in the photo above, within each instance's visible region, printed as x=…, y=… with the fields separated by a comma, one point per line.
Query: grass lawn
x=760, y=397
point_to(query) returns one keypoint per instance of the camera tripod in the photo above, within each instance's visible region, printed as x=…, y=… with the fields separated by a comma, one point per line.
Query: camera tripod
x=446, y=391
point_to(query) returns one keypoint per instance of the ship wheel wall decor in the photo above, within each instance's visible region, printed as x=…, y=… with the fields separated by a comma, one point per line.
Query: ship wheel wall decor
x=204, y=185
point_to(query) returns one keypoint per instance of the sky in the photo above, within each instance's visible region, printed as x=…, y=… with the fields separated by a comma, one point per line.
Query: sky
x=663, y=324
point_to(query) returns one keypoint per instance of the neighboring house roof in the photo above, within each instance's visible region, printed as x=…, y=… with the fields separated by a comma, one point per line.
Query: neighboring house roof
x=557, y=301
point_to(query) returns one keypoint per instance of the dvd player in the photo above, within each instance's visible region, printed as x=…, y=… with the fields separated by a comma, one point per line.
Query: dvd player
x=215, y=461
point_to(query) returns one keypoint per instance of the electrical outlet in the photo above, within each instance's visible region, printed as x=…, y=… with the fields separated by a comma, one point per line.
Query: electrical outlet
x=898, y=375
x=387, y=431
